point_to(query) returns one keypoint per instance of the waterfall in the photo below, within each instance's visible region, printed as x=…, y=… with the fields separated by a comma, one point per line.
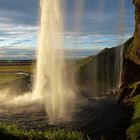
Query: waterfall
x=51, y=84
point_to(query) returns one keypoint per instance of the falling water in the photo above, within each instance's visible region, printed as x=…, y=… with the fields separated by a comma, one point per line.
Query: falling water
x=121, y=33
x=52, y=86
x=97, y=77
x=120, y=50
x=51, y=83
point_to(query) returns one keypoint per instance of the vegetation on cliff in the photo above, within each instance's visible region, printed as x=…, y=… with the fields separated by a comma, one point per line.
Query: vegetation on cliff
x=134, y=52
x=133, y=132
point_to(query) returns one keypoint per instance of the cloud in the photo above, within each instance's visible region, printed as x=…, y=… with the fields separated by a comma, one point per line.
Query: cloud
x=16, y=52
x=19, y=42
x=17, y=57
x=20, y=12
x=18, y=22
x=1, y=40
x=94, y=41
x=97, y=28
x=14, y=35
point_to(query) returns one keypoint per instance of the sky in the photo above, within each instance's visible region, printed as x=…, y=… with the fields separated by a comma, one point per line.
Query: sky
x=100, y=24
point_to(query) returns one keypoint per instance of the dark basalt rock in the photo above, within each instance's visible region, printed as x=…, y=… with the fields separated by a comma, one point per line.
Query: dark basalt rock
x=131, y=72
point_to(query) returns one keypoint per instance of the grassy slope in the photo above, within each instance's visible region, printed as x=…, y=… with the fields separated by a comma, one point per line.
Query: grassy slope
x=98, y=71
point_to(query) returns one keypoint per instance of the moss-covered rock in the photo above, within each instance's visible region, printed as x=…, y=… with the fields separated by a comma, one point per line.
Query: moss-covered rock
x=133, y=132
x=134, y=51
x=127, y=92
x=129, y=97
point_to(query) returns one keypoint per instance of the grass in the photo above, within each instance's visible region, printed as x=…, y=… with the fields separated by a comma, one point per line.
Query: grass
x=9, y=73
x=133, y=131
x=12, y=132
x=14, y=68
x=8, y=77
x=84, y=61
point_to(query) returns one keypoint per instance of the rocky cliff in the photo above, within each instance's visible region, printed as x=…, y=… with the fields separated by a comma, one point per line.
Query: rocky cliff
x=129, y=93
x=134, y=52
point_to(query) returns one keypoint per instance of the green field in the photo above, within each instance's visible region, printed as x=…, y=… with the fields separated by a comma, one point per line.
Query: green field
x=10, y=71
x=16, y=68
x=7, y=77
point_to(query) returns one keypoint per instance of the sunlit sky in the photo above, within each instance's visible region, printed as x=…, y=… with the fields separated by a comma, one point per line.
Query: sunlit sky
x=100, y=26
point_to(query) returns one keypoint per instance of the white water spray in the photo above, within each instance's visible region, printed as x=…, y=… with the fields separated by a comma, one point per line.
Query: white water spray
x=51, y=83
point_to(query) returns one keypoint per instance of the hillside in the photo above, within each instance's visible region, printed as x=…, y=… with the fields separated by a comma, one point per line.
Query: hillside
x=100, y=72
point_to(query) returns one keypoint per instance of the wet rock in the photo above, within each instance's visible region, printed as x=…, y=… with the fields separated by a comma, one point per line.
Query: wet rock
x=127, y=93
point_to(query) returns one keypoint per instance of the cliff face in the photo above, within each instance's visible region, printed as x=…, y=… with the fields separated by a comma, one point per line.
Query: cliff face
x=134, y=52
x=100, y=73
x=131, y=66
x=129, y=94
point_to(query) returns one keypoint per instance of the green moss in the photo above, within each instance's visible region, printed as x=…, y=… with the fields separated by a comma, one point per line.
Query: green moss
x=13, y=132
x=134, y=51
x=126, y=93
x=133, y=131
x=134, y=88
x=62, y=134
x=130, y=96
